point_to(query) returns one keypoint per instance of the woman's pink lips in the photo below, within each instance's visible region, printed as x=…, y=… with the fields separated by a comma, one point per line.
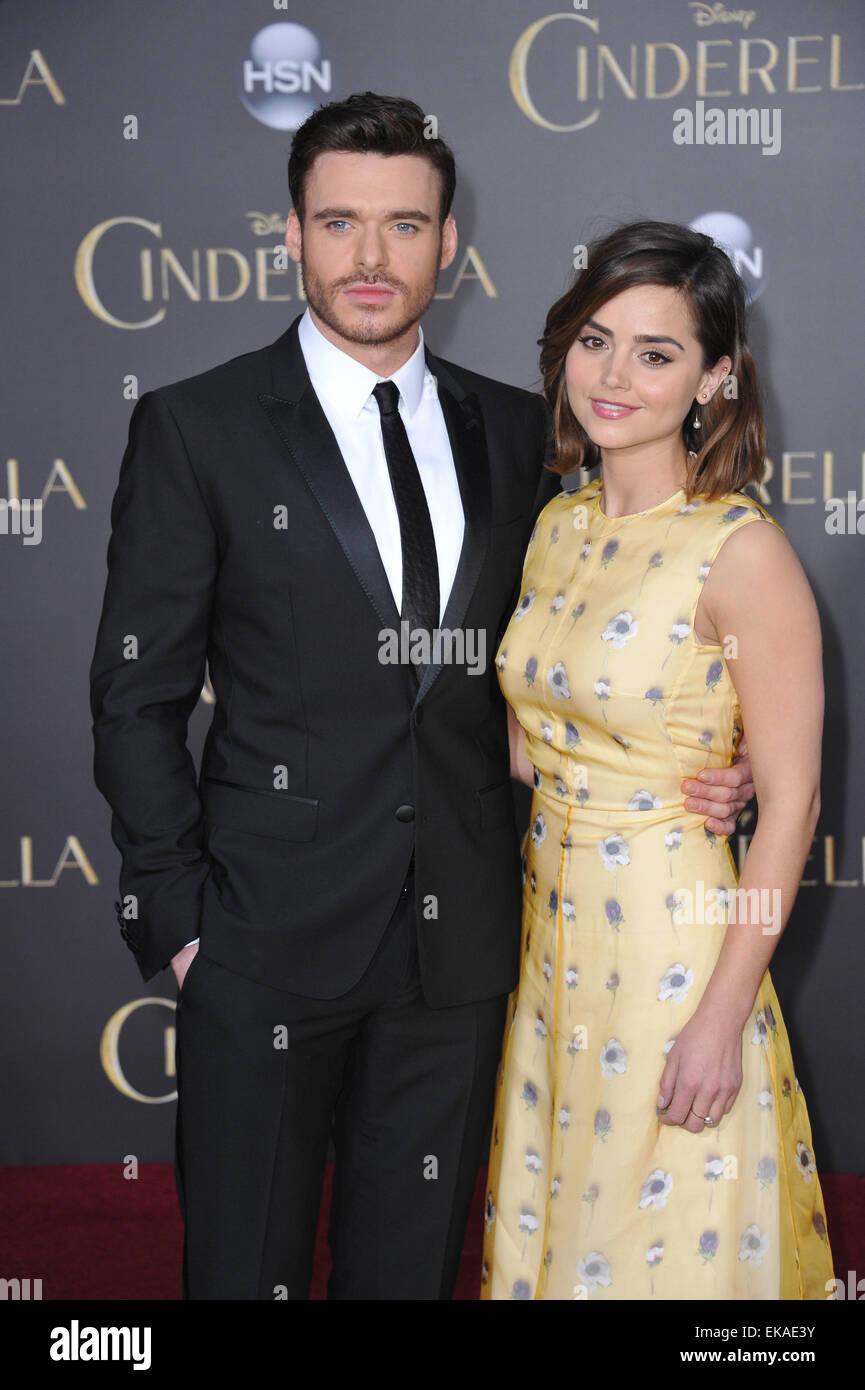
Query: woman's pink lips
x=608, y=411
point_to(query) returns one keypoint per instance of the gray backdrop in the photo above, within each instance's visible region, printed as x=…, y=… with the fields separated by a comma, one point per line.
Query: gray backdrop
x=559, y=130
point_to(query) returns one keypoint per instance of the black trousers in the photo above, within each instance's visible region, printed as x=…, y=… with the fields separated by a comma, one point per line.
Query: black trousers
x=264, y=1077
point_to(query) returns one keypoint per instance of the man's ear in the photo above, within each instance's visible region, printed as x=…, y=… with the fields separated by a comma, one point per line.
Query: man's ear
x=449, y=242
x=293, y=236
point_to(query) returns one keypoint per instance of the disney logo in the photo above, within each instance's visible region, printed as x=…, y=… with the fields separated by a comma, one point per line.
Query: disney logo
x=264, y=223
x=719, y=14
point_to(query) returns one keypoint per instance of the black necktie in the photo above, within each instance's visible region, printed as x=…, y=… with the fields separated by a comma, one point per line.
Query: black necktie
x=420, y=576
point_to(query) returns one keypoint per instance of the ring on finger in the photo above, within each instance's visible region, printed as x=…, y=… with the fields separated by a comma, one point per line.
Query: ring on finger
x=707, y=1119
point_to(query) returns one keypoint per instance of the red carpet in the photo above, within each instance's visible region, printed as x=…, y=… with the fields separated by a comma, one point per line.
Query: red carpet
x=87, y=1233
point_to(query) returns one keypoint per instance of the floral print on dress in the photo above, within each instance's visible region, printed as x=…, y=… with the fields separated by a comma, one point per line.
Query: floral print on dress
x=594, y=1272
x=678, y=633
x=602, y=690
x=654, y=1256
x=558, y=679
x=613, y=910
x=577, y=612
x=805, y=1161
x=555, y=607
x=603, y=1124
x=753, y=1246
x=620, y=701
x=714, y=1170
x=675, y=983
x=620, y=630
x=614, y=1058
x=524, y=606
x=707, y=1248
x=767, y=1171
x=613, y=851
x=656, y=1189
x=655, y=562
x=760, y=1035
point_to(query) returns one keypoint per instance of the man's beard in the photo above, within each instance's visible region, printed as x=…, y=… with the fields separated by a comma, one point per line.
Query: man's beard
x=324, y=299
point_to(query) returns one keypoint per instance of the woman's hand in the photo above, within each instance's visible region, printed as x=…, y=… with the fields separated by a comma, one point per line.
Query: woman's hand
x=703, y=1074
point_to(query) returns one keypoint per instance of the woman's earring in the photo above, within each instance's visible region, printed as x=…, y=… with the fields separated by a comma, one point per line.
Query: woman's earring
x=698, y=424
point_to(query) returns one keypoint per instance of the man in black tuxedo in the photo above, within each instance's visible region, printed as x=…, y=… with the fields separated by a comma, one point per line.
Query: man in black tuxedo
x=344, y=877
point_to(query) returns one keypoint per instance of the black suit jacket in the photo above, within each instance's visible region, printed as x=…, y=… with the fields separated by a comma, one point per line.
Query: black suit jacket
x=238, y=540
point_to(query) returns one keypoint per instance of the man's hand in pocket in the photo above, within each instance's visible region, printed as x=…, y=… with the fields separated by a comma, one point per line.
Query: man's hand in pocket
x=182, y=961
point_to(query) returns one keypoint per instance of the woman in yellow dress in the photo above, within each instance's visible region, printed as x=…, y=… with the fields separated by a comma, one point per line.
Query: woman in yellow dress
x=650, y=1137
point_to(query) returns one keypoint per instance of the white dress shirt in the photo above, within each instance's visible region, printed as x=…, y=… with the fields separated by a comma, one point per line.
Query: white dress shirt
x=344, y=388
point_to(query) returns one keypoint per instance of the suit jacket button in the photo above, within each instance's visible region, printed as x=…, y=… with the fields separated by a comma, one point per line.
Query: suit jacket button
x=405, y=813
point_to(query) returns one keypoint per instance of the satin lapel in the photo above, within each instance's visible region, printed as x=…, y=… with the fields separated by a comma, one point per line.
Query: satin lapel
x=310, y=443
x=294, y=410
x=465, y=430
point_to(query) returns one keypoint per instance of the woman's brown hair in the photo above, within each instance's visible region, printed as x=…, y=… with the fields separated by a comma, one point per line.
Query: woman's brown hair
x=728, y=449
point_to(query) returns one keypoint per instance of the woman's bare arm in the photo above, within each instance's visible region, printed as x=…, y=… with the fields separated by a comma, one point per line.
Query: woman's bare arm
x=758, y=595
x=521, y=768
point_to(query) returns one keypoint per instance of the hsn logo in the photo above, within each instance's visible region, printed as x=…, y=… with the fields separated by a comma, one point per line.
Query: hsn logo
x=733, y=234
x=284, y=76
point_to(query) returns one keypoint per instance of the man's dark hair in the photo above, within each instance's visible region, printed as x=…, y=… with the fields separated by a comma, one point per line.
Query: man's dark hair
x=367, y=123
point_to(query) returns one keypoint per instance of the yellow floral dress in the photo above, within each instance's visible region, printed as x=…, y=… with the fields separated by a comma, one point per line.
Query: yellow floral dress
x=625, y=906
